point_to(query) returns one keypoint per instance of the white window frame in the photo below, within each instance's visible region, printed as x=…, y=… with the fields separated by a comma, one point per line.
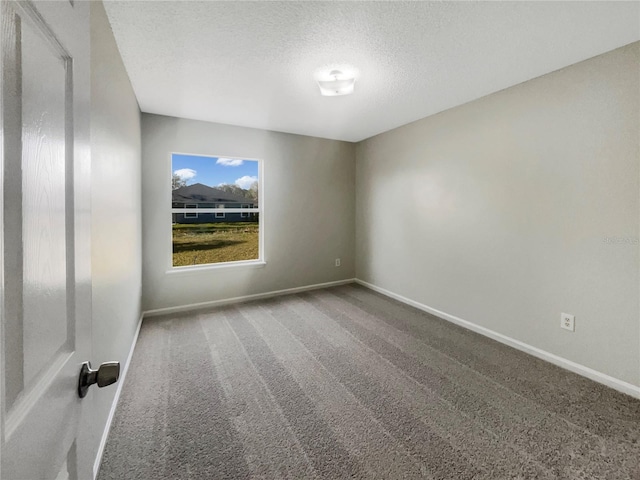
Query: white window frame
x=245, y=214
x=191, y=214
x=219, y=214
x=195, y=269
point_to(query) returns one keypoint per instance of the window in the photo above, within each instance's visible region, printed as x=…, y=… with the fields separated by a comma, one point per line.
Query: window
x=226, y=227
x=191, y=214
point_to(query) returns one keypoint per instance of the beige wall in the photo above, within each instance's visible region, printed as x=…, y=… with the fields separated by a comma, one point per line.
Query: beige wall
x=309, y=213
x=516, y=207
x=116, y=234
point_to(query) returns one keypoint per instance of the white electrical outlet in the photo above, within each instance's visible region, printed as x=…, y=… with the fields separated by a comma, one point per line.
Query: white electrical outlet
x=568, y=322
x=337, y=262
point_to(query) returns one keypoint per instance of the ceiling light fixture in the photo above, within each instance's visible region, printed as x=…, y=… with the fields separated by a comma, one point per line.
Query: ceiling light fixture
x=337, y=84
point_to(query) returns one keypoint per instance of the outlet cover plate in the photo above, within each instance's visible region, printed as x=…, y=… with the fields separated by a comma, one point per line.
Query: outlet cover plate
x=568, y=322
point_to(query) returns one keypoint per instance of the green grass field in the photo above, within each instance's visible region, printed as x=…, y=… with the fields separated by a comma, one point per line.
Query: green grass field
x=201, y=243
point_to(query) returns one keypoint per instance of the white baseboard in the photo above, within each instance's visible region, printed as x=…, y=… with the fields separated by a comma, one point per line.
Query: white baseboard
x=107, y=427
x=245, y=298
x=594, y=375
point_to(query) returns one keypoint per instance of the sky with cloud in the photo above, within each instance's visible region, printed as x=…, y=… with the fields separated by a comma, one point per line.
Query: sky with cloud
x=213, y=171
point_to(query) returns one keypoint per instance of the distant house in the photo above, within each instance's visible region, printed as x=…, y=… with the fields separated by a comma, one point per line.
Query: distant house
x=203, y=196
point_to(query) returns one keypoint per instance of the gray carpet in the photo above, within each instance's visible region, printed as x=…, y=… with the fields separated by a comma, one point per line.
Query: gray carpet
x=346, y=383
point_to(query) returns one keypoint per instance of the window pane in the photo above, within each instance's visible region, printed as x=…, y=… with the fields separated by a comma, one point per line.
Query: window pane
x=199, y=243
x=221, y=183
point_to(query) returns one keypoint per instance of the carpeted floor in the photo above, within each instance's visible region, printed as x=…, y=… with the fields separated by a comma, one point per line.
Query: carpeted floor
x=346, y=383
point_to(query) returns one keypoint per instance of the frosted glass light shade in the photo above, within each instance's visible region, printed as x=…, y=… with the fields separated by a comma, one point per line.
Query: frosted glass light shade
x=339, y=84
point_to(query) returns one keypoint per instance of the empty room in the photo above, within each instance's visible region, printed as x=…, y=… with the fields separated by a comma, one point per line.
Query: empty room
x=320, y=240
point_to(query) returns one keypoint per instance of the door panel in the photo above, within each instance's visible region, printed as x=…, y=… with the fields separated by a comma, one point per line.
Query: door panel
x=46, y=311
x=44, y=81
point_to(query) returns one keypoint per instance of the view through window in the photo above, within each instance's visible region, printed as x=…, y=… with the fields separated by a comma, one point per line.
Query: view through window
x=215, y=210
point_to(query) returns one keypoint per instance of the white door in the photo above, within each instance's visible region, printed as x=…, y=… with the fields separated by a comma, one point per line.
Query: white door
x=46, y=270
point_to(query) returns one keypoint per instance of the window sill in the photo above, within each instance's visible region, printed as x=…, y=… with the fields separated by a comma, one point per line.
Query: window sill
x=213, y=267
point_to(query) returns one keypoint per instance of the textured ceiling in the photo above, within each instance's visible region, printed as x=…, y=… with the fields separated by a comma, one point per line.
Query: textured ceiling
x=253, y=63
